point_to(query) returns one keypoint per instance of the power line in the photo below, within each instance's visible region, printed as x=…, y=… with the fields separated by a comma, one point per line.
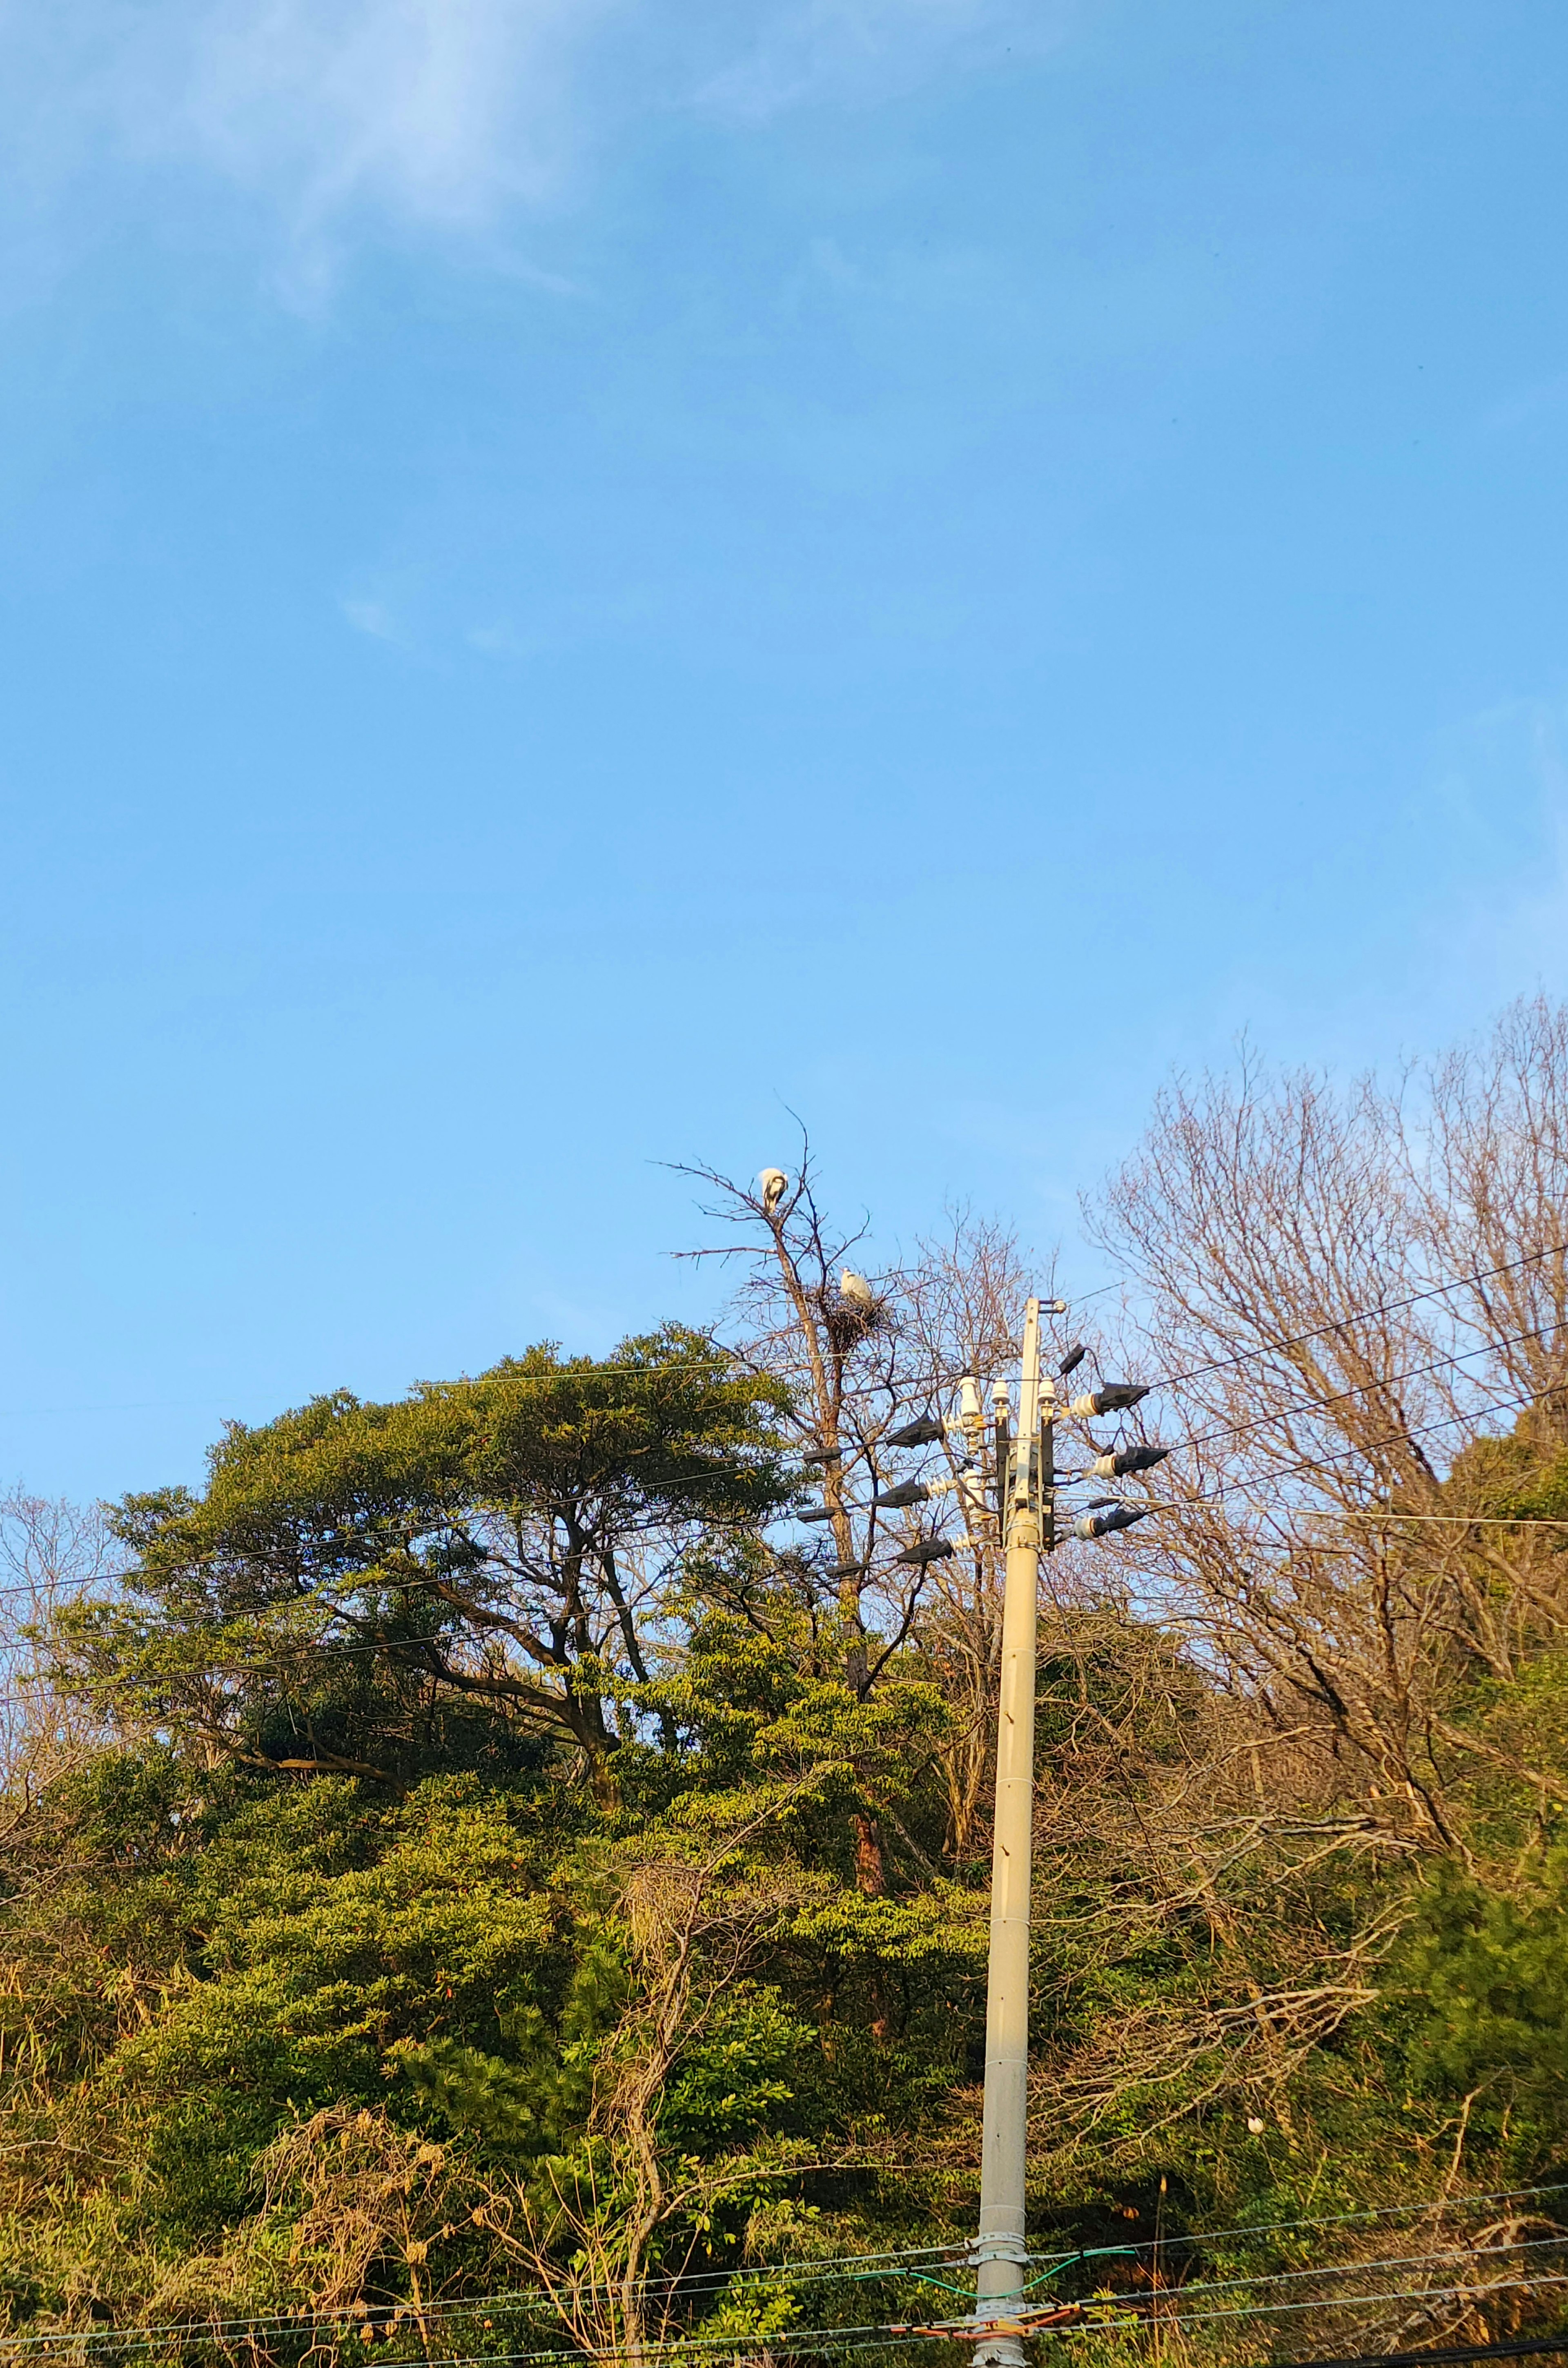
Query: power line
x=1307, y=1464
x=1400, y=1438
x=1364, y=2268
x=1324, y=2220
x=1360, y=1314
x=1341, y=1455
x=1445, y=1520
x=913, y=2261
x=564, y=1377
x=881, y=2334
x=908, y=2261
x=1338, y=1513
x=1335, y=2302
x=592, y=1373
x=1521, y=2348
x=1367, y=1389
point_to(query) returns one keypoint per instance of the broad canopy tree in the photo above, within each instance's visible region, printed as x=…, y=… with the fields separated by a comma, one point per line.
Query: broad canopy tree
x=497, y=1542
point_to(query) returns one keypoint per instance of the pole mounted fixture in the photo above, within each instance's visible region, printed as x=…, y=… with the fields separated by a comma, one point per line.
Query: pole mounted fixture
x=919, y=1433
x=927, y=1550
x=909, y=1492
x=1112, y=1398
x=1072, y=1361
x=1122, y=1460
x=1104, y=1525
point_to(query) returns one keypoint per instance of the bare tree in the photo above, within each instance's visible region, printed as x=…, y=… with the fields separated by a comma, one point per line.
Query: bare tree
x=859, y=1355
x=52, y=1553
x=1350, y=1295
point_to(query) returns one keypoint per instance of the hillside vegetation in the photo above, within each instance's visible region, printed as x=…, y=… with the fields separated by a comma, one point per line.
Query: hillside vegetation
x=484, y=1875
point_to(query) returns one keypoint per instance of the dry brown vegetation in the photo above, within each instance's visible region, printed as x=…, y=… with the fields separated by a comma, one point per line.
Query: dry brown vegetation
x=481, y=1974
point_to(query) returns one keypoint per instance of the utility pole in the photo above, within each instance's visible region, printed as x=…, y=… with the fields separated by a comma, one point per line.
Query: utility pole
x=1027, y=1485
x=1024, y=1492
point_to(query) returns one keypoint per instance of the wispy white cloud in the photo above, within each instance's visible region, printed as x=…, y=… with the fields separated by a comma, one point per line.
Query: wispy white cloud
x=341, y=115
x=372, y=617
x=858, y=50
x=441, y=113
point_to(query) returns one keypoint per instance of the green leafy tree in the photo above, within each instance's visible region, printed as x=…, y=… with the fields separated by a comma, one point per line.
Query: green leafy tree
x=354, y=1574
x=1487, y=1973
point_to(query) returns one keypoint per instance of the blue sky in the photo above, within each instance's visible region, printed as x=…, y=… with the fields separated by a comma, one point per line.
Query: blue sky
x=577, y=573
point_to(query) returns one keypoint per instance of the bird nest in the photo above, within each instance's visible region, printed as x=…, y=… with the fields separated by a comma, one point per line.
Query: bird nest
x=847, y=1323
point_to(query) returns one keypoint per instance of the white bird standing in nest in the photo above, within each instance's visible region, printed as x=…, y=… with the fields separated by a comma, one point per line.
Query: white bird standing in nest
x=857, y=1292
x=775, y=1184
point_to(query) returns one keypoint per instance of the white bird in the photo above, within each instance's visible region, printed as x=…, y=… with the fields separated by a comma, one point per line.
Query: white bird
x=775, y=1184
x=857, y=1292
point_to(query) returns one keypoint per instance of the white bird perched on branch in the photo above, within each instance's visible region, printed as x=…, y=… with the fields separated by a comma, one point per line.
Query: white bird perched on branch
x=857, y=1292
x=775, y=1184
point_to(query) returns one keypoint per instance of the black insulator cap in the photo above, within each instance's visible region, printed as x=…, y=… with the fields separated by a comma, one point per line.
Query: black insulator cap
x=919, y=1433
x=912, y=1492
x=1104, y=1525
x=1138, y=1458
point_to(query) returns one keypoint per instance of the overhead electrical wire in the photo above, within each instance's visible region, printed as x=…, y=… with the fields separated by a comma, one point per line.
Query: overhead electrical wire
x=1441, y=1520
x=1305, y=1406
x=1367, y=1389
x=1170, y=2320
x=1340, y=1455
x=590, y=1372
x=1331, y=2219
x=1448, y=2355
x=1104, y=2316
x=910, y=2262
x=315, y=1654
x=1369, y=1446
x=1360, y=1314
x=1338, y=1513
x=913, y=2261
x=1365, y=2269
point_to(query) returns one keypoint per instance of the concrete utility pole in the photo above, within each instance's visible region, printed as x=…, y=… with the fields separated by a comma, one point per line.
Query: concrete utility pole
x=1025, y=1489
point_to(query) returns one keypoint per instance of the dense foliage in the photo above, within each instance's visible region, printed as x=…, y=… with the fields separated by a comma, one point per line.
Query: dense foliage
x=488, y=1846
